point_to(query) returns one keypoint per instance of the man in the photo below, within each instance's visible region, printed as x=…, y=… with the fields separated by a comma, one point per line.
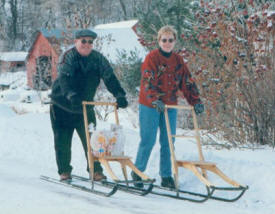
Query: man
x=80, y=70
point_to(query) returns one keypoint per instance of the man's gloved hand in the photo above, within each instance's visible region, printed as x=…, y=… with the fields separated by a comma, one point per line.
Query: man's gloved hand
x=121, y=102
x=199, y=108
x=75, y=102
x=159, y=105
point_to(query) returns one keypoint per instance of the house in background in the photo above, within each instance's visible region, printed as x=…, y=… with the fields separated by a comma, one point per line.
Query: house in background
x=123, y=37
x=43, y=57
x=48, y=45
x=12, y=61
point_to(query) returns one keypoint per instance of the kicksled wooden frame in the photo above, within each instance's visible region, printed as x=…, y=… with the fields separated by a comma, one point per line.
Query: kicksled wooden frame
x=199, y=168
x=124, y=161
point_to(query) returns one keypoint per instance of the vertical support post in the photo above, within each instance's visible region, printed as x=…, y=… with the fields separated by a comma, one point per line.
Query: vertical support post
x=88, y=141
x=172, y=150
x=116, y=114
x=197, y=136
x=124, y=171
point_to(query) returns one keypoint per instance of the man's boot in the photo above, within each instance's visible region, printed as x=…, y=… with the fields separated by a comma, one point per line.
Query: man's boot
x=98, y=176
x=65, y=176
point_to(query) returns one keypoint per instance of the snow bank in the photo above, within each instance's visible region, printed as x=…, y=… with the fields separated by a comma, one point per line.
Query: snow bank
x=6, y=111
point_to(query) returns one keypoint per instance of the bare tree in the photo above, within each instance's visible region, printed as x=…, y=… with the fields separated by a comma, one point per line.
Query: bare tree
x=14, y=18
x=19, y=19
x=123, y=7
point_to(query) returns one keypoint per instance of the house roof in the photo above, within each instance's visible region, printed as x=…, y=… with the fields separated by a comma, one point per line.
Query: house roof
x=123, y=37
x=119, y=25
x=57, y=33
x=18, y=56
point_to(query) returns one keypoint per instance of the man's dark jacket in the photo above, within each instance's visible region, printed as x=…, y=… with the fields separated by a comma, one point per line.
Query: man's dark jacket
x=80, y=76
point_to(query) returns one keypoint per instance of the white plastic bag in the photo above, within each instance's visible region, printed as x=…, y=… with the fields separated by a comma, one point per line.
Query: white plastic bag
x=108, y=142
x=116, y=140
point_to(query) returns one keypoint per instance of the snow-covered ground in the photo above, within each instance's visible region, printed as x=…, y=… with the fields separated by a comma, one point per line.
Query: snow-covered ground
x=27, y=151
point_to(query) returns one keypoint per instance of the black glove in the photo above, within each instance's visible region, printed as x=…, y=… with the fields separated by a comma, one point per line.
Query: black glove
x=199, y=108
x=75, y=102
x=121, y=102
x=159, y=105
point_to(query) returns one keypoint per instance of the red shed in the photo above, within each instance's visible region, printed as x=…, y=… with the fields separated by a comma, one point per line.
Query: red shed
x=43, y=58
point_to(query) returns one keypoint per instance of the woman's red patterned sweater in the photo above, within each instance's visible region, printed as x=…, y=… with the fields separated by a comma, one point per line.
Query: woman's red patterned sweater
x=162, y=77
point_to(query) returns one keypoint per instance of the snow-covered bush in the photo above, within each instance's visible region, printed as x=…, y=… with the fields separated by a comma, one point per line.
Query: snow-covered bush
x=235, y=67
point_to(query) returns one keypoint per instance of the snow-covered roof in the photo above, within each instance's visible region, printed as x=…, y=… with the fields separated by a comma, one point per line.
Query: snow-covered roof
x=57, y=33
x=19, y=56
x=123, y=38
x=122, y=24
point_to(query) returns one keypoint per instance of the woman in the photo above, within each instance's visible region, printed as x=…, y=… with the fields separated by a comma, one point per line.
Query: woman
x=163, y=74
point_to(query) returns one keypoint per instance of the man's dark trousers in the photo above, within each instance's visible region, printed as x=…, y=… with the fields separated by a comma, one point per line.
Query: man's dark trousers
x=63, y=124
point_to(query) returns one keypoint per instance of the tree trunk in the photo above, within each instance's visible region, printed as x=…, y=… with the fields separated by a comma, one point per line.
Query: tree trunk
x=13, y=8
x=123, y=7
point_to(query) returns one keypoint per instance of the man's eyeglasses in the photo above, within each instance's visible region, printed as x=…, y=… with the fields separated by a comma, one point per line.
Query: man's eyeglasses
x=84, y=41
x=169, y=40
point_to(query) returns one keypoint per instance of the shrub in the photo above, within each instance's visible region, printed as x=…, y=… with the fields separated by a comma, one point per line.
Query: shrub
x=128, y=70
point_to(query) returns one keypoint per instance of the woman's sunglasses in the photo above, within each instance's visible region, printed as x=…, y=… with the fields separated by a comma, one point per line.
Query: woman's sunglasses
x=84, y=41
x=169, y=40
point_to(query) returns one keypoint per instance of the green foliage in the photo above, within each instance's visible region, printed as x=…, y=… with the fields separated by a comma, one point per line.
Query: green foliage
x=179, y=13
x=128, y=70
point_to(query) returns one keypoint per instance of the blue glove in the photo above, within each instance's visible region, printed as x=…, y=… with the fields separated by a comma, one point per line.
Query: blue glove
x=121, y=102
x=199, y=108
x=159, y=105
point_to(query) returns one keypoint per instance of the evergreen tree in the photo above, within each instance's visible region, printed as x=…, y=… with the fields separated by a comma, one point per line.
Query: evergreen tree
x=179, y=13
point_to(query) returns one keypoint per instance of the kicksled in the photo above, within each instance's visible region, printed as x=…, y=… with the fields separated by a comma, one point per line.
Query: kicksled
x=199, y=169
x=104, y=187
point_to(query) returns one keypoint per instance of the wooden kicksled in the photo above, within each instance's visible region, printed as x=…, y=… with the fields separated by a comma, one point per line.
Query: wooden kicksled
x=199, y=168
x=124, y=161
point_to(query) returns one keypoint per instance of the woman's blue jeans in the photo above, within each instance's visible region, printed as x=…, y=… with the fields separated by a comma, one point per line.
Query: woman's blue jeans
x=149, y=121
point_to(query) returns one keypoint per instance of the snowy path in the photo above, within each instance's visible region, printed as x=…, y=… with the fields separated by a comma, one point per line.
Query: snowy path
x=25, y=193
x=26, y=152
